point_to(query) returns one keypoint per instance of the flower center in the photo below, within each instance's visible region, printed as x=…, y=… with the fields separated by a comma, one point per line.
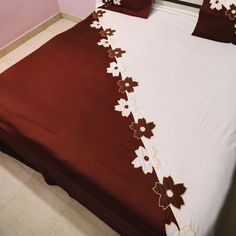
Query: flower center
x=217, y=2
x=126, y=106
x=146, y=158
x=126, y=84
x=169, y=193
x=142, y=128
x=233, y=11
x=116, y=68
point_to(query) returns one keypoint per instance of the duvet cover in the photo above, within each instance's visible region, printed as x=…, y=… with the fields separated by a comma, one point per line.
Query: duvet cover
x=143, y=137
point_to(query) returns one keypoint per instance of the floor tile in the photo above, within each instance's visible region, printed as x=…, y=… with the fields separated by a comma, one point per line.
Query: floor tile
x=40, y=39
x=3, y=66
x=31, y=171
x=18, y=54
x=34, y=211
x=6, y=229
x=61, y=26
x=13, y=179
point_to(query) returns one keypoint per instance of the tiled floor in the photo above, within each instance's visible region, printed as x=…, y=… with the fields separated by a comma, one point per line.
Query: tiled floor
x=28, y=206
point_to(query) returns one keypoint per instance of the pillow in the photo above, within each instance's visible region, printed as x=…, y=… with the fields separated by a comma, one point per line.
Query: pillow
x=139, y=8
x=217, y=21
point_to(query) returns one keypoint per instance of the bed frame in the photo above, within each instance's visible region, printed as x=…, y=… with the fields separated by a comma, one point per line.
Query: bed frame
x=189, y=3
x=192, y=5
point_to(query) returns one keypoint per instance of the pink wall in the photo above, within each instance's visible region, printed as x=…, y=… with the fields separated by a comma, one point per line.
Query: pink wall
x=80, y=8
x=17, y=17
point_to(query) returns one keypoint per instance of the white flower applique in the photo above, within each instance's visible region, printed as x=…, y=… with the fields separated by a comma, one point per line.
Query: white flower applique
x=96, y=24
x=115, y=68
x=217, y=4
x=105, y=43
x=117, y=2
x=172, y=230
x=146, y=158
x=126, y=107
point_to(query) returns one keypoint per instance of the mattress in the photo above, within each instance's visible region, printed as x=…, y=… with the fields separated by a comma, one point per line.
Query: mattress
x=163, y=166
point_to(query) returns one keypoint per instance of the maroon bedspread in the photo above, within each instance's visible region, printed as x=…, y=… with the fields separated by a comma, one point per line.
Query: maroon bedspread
x=57, y=115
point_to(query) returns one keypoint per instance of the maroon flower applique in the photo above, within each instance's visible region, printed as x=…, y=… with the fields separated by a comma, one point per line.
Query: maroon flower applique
x=107, y=2
x=127, y=85
x=142, y=129
x=169, y=193
x=231, y=12
x=107, y=32
x=98, y=14
x=116, y=53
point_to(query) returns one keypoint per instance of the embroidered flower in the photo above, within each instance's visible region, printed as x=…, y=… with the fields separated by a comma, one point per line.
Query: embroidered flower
x=107, y=32
x=96, y=24
x=127, y=85
x=126, y=107
x=115, y=68
x=116, y=53
x=231, y=12
x=169, y=193
x=105, y=43
x=172, y=230
x=142, y=129
x=145, y=159
x=117, y=2
x=217, y=4
x=98, y=14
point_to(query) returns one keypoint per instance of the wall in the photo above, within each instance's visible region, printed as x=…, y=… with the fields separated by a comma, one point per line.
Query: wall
x=17, y=17
x=80, y=8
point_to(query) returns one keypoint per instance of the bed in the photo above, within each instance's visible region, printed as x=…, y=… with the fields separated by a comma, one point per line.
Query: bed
x=134, y=118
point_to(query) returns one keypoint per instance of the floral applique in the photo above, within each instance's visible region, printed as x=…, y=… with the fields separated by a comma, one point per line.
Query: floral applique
x=146, y=158
x=105, y=43
x=169, y=193
x=216, y=4
x=231, y=12
x=172, y=230
x=96, y=25
x=117, y=2
x=127, y=85
x=98, y=14
x=142, y=128
x=126, y=107
x=109, y=2
x=107, y=32
x=115, y=68
x=116, y=53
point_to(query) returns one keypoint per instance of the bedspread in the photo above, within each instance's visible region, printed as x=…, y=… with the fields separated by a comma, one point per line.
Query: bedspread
x=134, y=118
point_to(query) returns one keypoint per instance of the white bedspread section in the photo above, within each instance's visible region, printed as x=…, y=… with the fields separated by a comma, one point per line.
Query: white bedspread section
x=187, y=86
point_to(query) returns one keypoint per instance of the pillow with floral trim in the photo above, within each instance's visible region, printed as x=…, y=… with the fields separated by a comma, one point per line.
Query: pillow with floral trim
x=217, y=21
x=139, y=8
